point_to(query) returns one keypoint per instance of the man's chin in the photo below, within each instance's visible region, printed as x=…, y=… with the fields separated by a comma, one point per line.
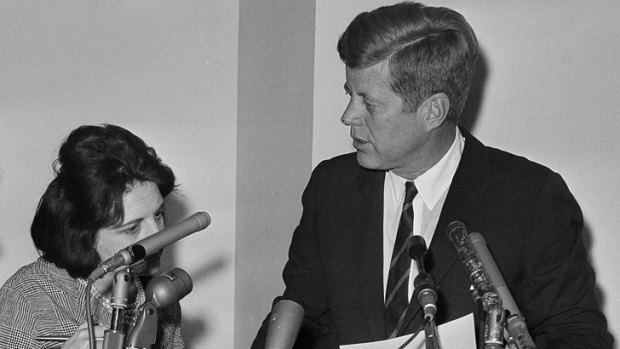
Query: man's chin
x=367, y=161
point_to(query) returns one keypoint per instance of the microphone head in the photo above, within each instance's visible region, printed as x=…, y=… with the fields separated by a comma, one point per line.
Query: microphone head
x=454, y=228
x=203, y=219
x=417, y=247
x=477, y=237
x=455, y=225
x=169, y=288
x=284, y=324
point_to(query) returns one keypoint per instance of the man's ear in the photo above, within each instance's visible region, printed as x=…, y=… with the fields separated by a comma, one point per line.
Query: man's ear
x=435, y=110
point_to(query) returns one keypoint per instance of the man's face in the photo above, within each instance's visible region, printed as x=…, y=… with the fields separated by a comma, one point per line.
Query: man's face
x=385, y=136
x=143, y=206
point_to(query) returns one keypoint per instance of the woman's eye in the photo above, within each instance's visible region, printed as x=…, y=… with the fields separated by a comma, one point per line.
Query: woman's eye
x=132, y=230
x=159, y=215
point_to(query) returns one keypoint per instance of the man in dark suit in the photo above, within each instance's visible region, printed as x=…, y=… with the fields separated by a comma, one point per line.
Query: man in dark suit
x=408, y=72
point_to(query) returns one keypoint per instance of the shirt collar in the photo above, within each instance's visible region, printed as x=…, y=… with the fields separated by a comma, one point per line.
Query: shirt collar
x=433, y=183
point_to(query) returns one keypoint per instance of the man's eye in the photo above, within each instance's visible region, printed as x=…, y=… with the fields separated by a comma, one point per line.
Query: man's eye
x=371, y=107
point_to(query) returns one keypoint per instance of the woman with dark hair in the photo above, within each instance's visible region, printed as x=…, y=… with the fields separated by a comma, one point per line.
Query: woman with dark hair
x=108, y=192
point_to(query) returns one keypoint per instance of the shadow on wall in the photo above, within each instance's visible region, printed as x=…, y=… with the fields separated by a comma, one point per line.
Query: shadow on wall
x=196, y=327
x=193, y=328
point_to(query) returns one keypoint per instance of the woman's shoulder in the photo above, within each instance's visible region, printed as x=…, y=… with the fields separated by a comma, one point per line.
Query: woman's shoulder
x=37, y=300
x=22, y=292
x=38, y=276
x=25, y=275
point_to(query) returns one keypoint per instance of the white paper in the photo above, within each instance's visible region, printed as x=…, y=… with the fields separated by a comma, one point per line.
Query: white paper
x=456, y=334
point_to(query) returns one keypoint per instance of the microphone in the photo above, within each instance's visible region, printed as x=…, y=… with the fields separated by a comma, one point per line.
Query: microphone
x=152, y=244
x=417, y=251
x=424, y=284
x=168, y=288
x=284, y=324
x=483, y=289
x=515, y=324
x=163, y=291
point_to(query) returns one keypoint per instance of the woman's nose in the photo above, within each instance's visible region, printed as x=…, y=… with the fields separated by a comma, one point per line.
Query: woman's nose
x=152, y=226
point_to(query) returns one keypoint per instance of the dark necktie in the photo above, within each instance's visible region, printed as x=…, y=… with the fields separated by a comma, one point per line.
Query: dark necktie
x=398, y=277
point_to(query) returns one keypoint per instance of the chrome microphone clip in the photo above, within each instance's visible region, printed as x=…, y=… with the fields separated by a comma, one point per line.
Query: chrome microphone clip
x=516, y=327
x=483, y=291
x=114, y=337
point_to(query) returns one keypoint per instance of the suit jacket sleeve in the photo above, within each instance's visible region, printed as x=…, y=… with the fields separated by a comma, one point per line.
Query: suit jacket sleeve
x=557, y=291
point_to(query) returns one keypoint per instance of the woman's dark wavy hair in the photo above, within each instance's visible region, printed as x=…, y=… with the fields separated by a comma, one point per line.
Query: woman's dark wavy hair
x=429, y=49
x=96, y=165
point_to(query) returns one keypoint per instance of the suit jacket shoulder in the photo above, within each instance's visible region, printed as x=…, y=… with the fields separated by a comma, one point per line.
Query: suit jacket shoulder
x=532, y=225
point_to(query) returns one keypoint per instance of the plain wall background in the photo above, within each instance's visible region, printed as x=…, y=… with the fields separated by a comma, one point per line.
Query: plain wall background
x=274, y=148
x=233, y=98
x=166, y=71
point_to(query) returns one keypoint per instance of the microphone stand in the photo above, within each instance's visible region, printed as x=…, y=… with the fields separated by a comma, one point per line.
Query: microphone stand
x=425, y=291
x=164, y=290
x=144, y=334
x=430, y=331
x=426, y=294
x=114, y=337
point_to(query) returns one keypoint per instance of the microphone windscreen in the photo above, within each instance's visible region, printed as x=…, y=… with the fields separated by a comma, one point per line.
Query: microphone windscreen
x=169, y=288
x=417, y=247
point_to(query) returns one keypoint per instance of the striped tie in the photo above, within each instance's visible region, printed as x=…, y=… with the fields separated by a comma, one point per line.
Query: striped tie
x=398, y=277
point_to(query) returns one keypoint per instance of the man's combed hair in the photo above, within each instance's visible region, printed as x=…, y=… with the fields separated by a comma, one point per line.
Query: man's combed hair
x=96, y=165
x=429, y=50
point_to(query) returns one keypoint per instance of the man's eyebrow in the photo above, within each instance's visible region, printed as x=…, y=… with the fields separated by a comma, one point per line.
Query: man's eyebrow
x=348, y=90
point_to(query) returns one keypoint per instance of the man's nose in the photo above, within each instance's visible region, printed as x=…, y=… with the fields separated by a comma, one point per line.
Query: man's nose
x=351, y=116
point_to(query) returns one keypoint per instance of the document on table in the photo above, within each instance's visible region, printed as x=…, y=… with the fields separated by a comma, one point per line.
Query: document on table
x=456, y=334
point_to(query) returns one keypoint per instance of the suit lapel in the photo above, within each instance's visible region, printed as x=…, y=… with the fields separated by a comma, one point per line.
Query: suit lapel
x=369, y=248
x=463, y=203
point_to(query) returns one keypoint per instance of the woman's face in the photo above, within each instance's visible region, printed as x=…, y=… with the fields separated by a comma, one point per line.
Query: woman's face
x=143, y=206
